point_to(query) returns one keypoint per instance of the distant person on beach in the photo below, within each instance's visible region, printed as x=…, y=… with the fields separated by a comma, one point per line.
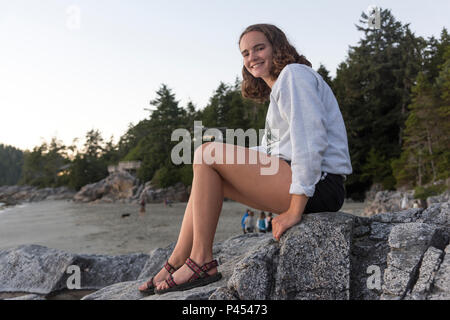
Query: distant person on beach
x=299, y=167
x=142, y=208
x=250, y=222
x=269, y=222
x=167, y=202
x=243, y=220
x=261, y=222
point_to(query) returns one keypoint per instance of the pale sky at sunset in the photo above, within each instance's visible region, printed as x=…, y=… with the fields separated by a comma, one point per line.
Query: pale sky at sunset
x=64, y=73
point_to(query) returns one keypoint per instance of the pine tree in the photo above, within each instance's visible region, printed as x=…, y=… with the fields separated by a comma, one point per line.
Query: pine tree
x=325, y=75
x=11, y=161
x=155, y=147
x=425, y=154
x=372, y=87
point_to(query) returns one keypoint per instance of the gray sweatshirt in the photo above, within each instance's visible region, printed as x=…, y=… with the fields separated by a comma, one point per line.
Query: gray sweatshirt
x=304, y=125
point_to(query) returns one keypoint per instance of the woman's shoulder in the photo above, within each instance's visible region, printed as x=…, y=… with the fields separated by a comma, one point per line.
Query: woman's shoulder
x=298, y=73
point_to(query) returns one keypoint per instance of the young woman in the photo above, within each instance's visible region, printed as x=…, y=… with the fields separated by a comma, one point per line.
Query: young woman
x=305, y=138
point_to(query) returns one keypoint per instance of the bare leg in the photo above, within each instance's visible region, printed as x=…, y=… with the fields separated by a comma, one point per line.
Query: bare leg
x=207, y=201
x=208, y=205
x=182, y=248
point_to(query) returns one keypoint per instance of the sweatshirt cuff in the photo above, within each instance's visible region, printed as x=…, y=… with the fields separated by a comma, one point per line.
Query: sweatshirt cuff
x=259, y=149
x=297, y=188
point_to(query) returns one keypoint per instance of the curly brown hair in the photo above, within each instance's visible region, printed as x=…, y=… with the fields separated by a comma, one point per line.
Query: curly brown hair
x=283, y=54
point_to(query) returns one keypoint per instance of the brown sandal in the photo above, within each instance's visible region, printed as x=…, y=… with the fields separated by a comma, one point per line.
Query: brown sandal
x=150, y=286
x=198, y=279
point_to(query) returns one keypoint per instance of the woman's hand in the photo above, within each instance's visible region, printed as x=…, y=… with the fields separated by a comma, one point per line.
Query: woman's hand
x=290, y=217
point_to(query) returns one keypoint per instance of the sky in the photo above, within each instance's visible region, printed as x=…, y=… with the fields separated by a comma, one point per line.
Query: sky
x=67, y=67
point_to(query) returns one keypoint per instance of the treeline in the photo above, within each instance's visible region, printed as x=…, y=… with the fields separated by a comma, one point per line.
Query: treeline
x=393, y=90
x=393, y=93
x=11, y=161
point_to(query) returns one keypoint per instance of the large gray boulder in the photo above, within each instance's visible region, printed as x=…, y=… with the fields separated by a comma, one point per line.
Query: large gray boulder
x=123, y=187
x=33, y=269
x=117, y=186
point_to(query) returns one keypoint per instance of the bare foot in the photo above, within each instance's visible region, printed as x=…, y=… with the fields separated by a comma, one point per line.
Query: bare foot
x=283, y=222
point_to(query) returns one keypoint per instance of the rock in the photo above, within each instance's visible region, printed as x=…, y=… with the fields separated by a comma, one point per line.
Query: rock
x=121, y=186
x=430, y=264
x=33, y=269
x=441, y=285
x=176, y=193
x=28, y=297
x=327, y=256
x=12, y=195
x=119, y=291
x=99, y=271
x=117, y=186
x=444, y=197
x=252, y=277
x=45, y=271
x=200, y=293
x=314, y=259
x=394, y=201
x=408, y=242
x=389, y=201
x=155, y=262
x=223, y=293
x=409, y=215
x=437, y=213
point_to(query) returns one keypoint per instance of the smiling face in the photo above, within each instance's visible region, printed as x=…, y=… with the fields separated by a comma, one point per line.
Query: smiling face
x=257, y=53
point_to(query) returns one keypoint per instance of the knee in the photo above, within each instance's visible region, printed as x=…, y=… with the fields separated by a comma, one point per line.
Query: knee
x=205, y=154
x=199, y=154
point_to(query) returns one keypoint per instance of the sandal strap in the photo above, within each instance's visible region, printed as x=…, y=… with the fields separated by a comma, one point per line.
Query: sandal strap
x=208, y=266
x=200, y=272
x=170, y=281
x=170, y=269
x=149, y=282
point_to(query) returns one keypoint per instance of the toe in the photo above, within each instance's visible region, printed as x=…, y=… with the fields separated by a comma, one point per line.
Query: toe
x=144, y=286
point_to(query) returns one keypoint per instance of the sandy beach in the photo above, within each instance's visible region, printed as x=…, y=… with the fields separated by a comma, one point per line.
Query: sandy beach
x=101, y=229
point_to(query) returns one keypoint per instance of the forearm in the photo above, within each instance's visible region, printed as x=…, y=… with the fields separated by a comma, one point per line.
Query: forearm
x=298, y=203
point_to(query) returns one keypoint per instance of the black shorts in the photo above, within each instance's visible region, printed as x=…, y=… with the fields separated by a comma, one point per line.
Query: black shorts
x=329, y=194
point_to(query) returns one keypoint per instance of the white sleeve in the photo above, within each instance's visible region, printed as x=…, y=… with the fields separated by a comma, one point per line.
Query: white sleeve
x=300, y=102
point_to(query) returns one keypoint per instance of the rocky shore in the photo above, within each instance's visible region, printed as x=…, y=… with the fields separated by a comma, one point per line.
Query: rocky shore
x=391, y=201
x=12, y=195
x=119, y=187
x=393, y=255
x=123, y=187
